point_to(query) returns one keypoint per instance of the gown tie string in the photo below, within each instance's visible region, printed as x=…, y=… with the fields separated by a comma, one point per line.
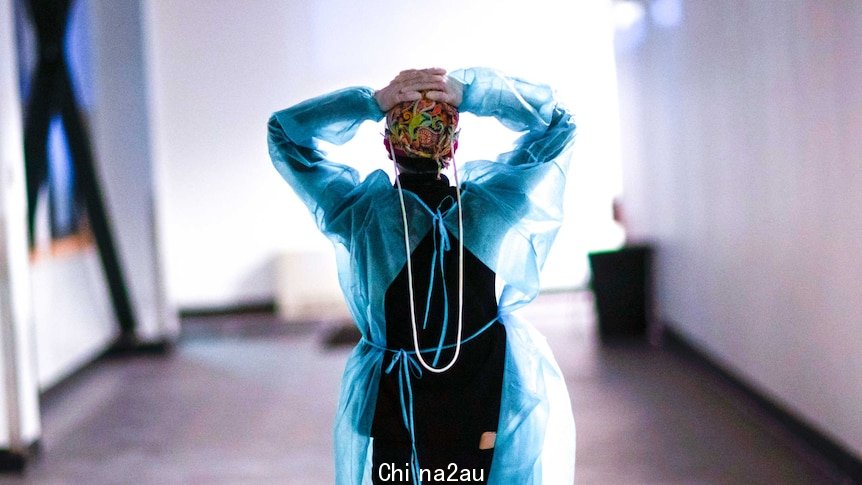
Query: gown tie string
x=407, y=367
x=442, y=245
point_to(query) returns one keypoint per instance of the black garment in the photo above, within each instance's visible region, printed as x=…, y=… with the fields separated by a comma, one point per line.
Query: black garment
x=391, y=464
x=451, y=410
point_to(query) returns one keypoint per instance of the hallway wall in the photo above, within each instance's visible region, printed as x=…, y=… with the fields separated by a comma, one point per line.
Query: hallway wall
x=219, y=70
x=742, y=161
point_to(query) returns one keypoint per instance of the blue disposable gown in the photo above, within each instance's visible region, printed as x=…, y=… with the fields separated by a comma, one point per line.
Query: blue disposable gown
x=512, y=209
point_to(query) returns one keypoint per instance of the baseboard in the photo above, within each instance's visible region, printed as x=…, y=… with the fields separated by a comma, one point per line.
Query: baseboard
x=124, y=346
x=264, y=306
x=843, y=459
x=16, y=461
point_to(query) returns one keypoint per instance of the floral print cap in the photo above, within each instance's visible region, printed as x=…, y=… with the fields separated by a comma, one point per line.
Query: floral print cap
x=423, y=128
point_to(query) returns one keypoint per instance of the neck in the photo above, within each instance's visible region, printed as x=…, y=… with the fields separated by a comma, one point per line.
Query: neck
x=412, y=181
x=413, y=172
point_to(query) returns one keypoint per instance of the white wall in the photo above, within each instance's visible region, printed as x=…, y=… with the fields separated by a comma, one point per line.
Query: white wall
x=19, y=406
x=72, y=315
x=219, y=69
x=742, y=162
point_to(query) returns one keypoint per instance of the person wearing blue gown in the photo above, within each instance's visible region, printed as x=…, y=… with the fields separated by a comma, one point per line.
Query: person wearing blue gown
x=446, y=382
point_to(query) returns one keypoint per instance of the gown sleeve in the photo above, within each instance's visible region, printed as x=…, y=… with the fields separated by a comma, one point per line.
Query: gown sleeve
x=516, y=201
x=548, y=128
x=324, y=186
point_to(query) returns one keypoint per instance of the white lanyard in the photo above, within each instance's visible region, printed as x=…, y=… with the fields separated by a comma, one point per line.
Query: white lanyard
x=428, y=367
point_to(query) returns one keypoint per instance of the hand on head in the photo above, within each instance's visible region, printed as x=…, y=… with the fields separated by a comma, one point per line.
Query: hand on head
x=411, y=84
x=452, y=94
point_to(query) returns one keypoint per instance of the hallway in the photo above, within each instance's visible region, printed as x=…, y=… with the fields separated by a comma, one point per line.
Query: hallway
x=250, y=401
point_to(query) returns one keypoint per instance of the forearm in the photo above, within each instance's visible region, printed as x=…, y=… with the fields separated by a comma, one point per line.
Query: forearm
x=520, y=106
x=332, y=117
x=293, y=137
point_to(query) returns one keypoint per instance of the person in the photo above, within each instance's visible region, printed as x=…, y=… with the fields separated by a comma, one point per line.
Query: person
x=446, y=382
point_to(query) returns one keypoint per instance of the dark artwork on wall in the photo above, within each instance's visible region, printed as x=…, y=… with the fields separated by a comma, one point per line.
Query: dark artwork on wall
x=65, y=202
x=50, y=56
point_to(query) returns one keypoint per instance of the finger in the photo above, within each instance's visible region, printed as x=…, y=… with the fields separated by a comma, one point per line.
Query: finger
x=407, y=96
x=430, y=82
x=423, y=85
x=417, y=76
x=439, y=96
x=442, y=97
x=407, y=75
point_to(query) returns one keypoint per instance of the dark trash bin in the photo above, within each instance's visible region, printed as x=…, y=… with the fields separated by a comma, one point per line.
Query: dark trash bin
x=621, y=283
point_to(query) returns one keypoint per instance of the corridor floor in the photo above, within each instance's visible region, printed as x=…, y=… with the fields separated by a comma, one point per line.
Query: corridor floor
x=249, y=400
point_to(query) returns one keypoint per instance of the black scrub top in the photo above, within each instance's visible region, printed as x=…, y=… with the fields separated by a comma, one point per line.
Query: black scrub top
x=453, y=408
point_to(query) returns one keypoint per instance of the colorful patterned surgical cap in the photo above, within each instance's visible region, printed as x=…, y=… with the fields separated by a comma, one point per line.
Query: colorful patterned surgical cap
x=423, y=128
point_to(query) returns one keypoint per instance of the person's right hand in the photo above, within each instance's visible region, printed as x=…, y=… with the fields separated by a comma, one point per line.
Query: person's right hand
x=453, y=93
x=409, y=85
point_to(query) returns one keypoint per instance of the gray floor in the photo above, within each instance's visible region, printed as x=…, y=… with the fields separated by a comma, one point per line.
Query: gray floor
x=239, y=403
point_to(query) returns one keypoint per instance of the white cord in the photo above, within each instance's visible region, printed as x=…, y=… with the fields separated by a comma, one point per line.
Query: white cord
x=428, y=367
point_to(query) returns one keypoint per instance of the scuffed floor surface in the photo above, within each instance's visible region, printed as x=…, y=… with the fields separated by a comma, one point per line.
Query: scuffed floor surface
x=250, y=400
